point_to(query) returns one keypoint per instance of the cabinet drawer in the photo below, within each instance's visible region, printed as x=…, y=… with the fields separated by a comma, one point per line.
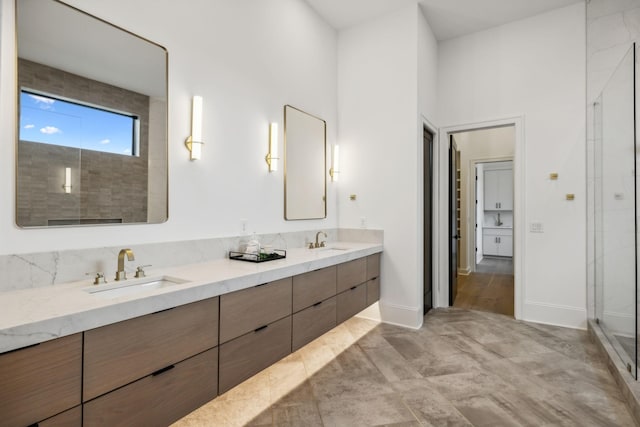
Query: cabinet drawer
x=118, y=354
x=351, y=302
x=352, y=273
x=246, y=310
x=373, y=266
x=40, y=381
x=312, y=287
x=312, y=322
x=373, y=291
x=70, y=418
x=160, y=399
x=249, y=354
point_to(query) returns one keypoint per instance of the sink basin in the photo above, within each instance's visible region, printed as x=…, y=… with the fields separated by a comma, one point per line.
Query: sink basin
x=132, y=286
x=330, y=248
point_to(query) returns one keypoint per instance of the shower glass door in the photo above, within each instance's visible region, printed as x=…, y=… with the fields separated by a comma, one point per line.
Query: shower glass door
x=616, y=210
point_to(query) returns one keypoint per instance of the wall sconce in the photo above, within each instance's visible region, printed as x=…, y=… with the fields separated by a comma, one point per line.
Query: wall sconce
x=335, y=163
x=272, y=155
x=67, y=180
x=194, y=142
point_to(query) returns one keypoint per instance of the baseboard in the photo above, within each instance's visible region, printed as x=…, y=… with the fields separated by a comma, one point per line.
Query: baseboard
x=408, y=317
x=553, y=314
x=619, y=323
x=464, y=271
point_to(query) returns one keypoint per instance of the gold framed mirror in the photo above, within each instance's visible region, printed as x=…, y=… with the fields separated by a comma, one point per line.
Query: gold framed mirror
x=92, y=120
x=305, y=165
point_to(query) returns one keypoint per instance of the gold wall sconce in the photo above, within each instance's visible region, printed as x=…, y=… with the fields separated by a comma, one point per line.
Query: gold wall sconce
x=272, y=156
x=335, y=162
x=194, y=142
x=67, y=180
x=570, y=196
x=553, y=176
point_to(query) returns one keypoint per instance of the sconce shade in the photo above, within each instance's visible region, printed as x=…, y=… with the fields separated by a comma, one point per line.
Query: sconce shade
x=272, y=155
x=194, y=142
x=335, y=163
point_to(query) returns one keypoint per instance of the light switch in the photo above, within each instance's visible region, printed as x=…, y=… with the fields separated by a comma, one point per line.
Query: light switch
x=536, y=227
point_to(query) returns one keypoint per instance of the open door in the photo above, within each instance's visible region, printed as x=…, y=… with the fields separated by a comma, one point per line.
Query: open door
x=454, y=215
x=428, y=221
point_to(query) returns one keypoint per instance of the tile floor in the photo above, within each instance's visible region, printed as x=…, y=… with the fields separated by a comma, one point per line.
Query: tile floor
x=462, y=368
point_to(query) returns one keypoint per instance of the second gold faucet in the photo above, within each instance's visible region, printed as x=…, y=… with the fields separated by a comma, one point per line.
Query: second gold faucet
x=121, y=274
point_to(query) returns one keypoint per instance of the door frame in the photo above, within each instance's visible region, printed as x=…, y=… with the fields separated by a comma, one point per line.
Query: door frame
x=441, y=293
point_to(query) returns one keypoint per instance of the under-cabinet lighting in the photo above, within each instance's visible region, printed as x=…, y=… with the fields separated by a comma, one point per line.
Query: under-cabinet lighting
x=194, y=142
x=272, y=155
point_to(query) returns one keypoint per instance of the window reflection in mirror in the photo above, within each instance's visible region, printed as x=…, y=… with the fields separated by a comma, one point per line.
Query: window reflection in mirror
x=305, y=165
x=93, y=113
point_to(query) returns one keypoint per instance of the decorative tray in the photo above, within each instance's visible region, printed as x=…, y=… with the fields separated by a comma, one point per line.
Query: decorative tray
x=261, y=257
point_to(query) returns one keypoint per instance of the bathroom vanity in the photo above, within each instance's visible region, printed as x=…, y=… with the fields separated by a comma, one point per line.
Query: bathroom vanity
x=150, y=358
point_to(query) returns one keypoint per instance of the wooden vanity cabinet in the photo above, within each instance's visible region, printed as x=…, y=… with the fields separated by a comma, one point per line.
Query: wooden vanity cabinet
x=245, y=356
x=69, y=418
x=310, y=323
x=351, y=302
x=351, y=273
x=373, y=278
x=313, y=287
x=40, y=381
x=244, y=311
x=158, y=399
x=118, y=354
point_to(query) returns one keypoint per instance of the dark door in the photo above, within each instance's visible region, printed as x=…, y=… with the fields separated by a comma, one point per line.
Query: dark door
x=428, y=221
x=453, y=221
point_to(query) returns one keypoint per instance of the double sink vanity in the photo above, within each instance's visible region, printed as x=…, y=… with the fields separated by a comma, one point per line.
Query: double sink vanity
x=149, y=350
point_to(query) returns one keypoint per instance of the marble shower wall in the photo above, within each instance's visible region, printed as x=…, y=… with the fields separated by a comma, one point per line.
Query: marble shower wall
x=23, y=271
x=612, y=26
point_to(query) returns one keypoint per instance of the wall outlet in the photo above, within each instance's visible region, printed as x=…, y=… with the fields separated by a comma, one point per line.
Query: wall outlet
x=363, y=222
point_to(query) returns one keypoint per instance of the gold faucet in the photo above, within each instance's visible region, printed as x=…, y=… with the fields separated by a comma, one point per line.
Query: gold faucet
x=321, y=244
x=121, y=274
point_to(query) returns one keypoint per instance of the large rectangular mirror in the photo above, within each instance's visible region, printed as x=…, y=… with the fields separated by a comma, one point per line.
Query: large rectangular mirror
x=304, y=165
x=92, y=120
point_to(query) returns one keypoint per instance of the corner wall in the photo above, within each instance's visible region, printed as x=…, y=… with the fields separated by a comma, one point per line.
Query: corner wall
x=383, y=66
x=533, y=68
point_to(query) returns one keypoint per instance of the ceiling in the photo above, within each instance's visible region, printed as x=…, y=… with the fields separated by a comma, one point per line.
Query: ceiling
x=447, y=18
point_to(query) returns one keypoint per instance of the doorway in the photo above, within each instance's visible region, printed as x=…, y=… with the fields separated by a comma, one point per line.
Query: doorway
x=481, y=272
x=428, y=221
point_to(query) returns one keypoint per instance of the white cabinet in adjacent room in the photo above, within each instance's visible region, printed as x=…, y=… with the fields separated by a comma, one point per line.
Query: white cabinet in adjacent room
x=497, y=242
x=498, y=190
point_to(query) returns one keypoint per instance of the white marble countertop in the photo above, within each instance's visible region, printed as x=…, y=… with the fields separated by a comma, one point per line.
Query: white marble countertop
x=497, y=227
x=31, y=316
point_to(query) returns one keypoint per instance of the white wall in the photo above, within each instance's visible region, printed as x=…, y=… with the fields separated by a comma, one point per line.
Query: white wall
x=534, y=68
x=247, y=59
x=380, y=136
x=475, y=146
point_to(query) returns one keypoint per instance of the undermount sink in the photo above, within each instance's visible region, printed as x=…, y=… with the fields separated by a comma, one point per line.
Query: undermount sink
x=132, y=286
x=330, y=248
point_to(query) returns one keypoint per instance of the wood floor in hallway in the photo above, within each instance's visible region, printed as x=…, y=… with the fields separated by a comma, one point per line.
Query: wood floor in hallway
x=489, y=288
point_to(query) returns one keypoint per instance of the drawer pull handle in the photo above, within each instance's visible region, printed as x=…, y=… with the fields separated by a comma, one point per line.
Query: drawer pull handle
x=261, y=284
x=354, y=287
x=317, y=304
x=261, y=328
x=163, y=370
x=34, y=425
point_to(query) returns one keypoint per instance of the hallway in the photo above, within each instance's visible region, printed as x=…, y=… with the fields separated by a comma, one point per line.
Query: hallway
x=490, y=288
x=462, y=368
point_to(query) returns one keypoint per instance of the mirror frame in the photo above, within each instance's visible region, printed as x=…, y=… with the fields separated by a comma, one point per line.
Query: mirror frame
x=163, y=127
x=288, y=216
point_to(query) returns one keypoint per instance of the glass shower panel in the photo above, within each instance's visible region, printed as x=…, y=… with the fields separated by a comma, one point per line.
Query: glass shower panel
x=615, y=211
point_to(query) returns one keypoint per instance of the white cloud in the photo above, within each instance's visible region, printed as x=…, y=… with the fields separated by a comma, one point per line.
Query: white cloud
x=105, y=141
x=126, y=151
x=29, y=126
x=44, y=102
x=50, y=130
